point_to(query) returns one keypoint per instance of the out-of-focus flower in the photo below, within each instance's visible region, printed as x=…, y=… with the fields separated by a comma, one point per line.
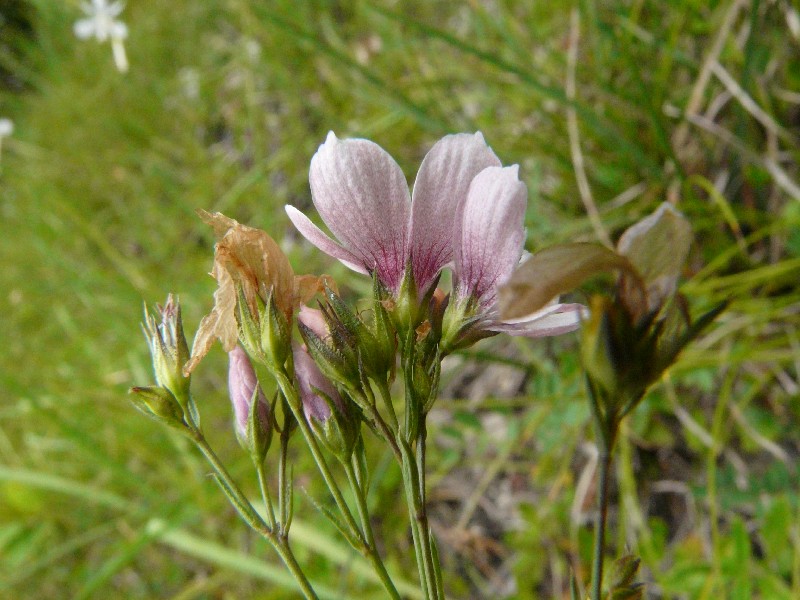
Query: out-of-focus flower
x=362, y=196
x=628, y=340
x=247, y=263
x=253, y=430
x=101, y=23
x=6, y=127
x=189, y=79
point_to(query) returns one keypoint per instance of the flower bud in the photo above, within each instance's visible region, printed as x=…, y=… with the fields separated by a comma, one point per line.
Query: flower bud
x=275, y=334
x=373, y=348
x=337, y=365
x=382, y=355
x=169, y=350
x=253, y=427
x=335, y=423
x=158, y=403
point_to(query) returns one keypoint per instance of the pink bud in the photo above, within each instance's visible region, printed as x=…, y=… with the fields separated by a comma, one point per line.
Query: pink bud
x=311, y=382
x=242, y=382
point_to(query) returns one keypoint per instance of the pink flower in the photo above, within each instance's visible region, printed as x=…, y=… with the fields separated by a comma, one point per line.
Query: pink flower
x=242, y=382
x=362, y=196
x=488, y=242
x=465, y=209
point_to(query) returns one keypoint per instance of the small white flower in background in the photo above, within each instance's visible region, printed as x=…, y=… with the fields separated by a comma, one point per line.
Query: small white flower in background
x=189, y=79
x=102, y=24
x=6, y=127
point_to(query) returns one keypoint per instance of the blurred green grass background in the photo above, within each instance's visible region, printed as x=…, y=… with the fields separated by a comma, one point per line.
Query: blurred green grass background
x=224, y=104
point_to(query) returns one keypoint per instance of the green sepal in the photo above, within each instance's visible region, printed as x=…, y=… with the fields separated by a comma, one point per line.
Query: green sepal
x=160, y=404
x=276, y=338
x=330, y=361
x=413, y=409
x=340, y=431
x=259, y=436
x=383, y=333
x=169, y=350
x=406, y=309
x=249, y=330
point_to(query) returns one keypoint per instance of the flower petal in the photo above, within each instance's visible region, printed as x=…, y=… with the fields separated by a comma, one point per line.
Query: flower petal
x=84, y=28
x=362, y=195
x=489, y=234
x=440, y=188
x=551, y=320
x=322, y=241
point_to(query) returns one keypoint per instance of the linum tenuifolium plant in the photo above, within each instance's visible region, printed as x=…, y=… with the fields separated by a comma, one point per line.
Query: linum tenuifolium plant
x=337, y=369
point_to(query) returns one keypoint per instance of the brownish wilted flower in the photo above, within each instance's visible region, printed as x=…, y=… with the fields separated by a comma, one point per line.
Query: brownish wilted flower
x=249, y=260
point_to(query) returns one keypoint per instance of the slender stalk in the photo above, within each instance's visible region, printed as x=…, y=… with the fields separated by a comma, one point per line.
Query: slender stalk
x=419, y=521
x=363, y=513
x=421, y=472
x=265, y=494
x=372, y=413
x=604, y=465
x=229, y=486
x=283, y=500
x=386, y=397
x=293, y=400
x=418, y=549
x=250, y=516
x=281, y=545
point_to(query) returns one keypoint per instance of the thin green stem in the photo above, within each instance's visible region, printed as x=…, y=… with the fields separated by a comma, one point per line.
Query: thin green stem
x=363, y=513
x=293, y=400
x=372, y=413
x=250, y=516
x=419, y=520
x=266, y=496
x=604, y=466
x=281, y=545
x=386, y=397
x=421, y=471
x=229, y=486
x=283, y=498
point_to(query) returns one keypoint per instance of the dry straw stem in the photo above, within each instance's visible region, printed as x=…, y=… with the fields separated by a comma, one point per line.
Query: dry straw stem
x=750, y=105
x=574, y=134
x=780, y=176
x=696, y=98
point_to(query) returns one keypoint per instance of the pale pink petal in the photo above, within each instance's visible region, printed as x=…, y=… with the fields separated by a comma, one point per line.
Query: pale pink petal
x=440, y=188
x=551, y=320
x=322, y=241
x=362, y=195
x=489, y=234
x=314, y=320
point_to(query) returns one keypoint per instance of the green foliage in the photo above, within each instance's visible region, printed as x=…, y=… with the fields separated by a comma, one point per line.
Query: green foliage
x=223, y=106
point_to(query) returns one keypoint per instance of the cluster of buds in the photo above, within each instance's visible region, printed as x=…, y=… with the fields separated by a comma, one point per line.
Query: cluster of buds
x=632, y=336
x=170, y=400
